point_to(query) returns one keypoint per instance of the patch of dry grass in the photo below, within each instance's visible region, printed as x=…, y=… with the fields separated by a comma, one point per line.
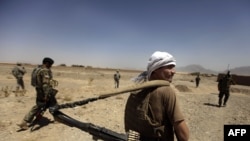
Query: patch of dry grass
x=67, y=98
x=5, y=91
x=90, y=80
x=240, y=90
x=182, y=88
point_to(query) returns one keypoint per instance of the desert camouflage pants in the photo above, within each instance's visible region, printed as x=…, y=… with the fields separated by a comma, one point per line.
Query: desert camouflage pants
x=116, y=83
x=40, y=103
x=20, y=83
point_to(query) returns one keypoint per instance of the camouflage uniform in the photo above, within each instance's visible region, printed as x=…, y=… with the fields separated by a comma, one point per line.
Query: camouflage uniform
x=44, y=92
x=224, y=88
x=18, y=72
x=45, y=95
x=117, y=77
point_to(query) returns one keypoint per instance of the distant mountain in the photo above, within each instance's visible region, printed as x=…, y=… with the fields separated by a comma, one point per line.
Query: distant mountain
x=198, y=68
x=241, y=71
x=195, y=68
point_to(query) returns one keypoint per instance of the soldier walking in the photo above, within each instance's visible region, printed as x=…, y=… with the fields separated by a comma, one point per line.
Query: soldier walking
x=224, y=88
x=45, y=92
x=18, y=72
x=117, y=77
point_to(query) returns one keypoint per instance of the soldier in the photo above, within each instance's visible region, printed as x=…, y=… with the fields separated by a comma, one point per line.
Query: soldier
x=155, y=112
x=45, y=93
x=224, y=88
x=18, y=72
x=117, y=77
x=197, y=80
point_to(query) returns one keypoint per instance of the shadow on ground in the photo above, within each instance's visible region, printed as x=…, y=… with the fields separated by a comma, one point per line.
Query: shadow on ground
x=211, y=104
x=215, y=93
x=44, y=121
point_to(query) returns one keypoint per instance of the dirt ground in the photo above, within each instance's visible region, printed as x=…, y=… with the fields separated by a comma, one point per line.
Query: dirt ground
x=199, y=105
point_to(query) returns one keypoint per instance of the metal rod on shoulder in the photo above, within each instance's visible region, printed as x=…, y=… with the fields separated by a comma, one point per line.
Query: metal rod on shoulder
x=103, y=95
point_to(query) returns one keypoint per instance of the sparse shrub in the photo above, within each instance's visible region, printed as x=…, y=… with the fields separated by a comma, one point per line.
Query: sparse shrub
x=63, y=65
x=5, y=124
x=182, y=88
x=84, y=107
x=9, y=77
x=90, y=80
x=195, y=73
x=67, y=98
x=77, y=65
x=6, y=91
x=58, y=74
x=2, y=124
x=19, y=101
x=20, y=93
x=89, y=67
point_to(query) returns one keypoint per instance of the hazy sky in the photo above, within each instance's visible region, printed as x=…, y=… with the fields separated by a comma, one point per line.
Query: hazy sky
x=124, y=33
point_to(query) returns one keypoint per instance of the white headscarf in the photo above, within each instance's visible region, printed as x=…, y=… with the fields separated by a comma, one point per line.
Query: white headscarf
x=157, y=60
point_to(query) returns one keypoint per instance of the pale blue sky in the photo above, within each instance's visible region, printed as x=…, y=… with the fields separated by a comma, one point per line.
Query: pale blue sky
x=124, y=33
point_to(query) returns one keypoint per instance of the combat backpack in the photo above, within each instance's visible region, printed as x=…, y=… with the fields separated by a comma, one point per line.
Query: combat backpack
x=117, y=76
x=142, y=115
x=15, y=72
x=34, y=75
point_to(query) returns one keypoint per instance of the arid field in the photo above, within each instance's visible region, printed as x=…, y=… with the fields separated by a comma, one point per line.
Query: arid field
x=199, y=105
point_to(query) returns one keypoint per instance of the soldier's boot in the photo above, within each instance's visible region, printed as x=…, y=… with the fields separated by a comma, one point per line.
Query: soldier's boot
x=23, y=125
x=220, y=102
x=225, y=101
x=225, y=104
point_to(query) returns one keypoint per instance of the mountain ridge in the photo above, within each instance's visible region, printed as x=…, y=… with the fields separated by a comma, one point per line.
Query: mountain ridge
x=245, y=70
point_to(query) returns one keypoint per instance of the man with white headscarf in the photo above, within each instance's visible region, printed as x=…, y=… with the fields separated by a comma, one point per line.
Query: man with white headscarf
x=155, y=112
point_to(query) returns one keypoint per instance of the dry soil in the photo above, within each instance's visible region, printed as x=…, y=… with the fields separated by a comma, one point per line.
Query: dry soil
x=199, y=105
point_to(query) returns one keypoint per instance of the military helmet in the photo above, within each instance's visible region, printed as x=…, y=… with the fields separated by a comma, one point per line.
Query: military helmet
x=48, y=60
